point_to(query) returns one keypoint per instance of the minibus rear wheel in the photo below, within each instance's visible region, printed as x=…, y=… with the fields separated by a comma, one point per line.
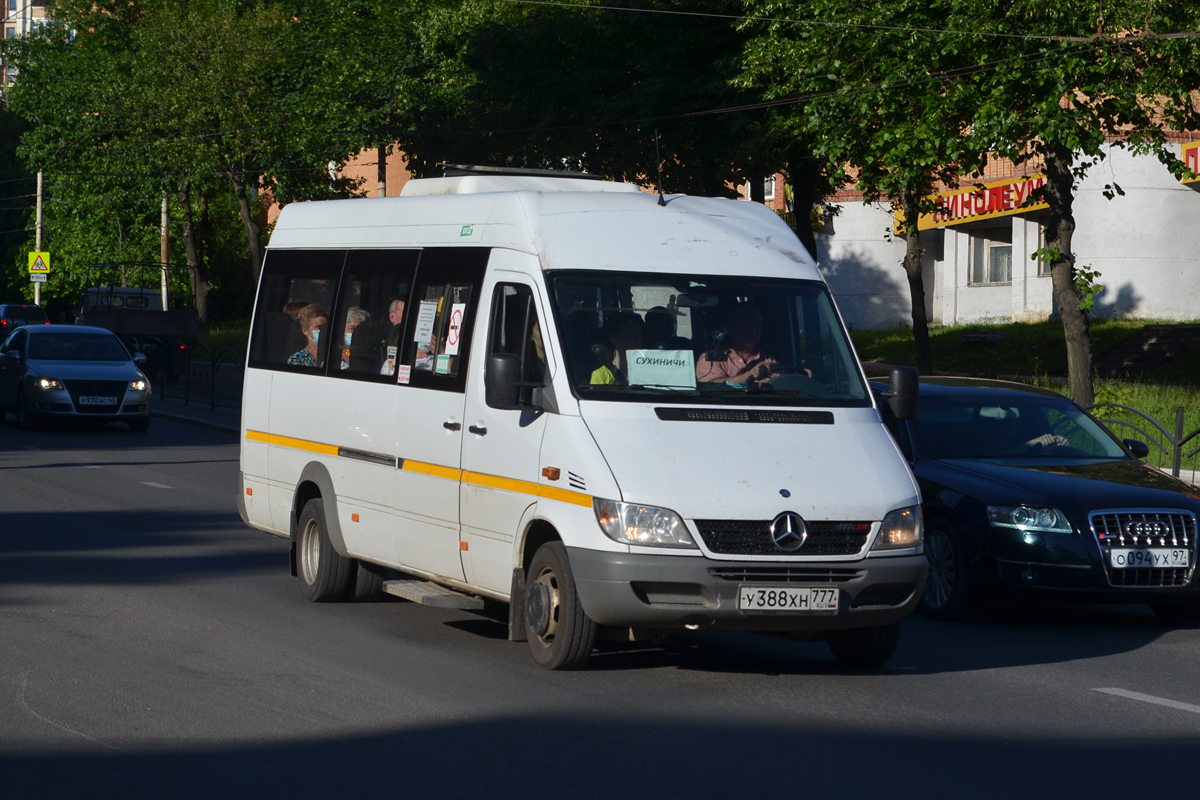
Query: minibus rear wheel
x=559, y=633
x=324, y=575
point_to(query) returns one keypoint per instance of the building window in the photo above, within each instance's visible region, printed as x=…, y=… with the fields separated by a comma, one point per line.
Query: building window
x=991, y=257
x=769, y=188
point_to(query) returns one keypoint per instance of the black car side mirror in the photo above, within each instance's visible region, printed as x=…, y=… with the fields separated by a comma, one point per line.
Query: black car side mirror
x=1139, y=449
x=500, y=380
x=13, y=354
x=903, y=386
x=139, y=358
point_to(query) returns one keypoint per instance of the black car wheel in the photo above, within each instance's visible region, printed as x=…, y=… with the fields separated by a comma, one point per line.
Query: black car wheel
x=947, y=593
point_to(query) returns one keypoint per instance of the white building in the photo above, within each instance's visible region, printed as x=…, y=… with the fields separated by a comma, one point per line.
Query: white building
x=20, y=17
x=978, y=265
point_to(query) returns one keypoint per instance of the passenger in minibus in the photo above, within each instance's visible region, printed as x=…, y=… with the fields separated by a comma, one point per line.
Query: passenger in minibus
x=312, y=319
x=355, y=316
x=624, y=333
x=743, y=363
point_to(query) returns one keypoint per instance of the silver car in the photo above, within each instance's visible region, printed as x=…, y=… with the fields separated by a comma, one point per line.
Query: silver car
x=72, y=371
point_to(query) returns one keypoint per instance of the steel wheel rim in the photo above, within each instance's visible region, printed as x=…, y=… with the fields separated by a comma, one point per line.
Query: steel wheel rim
x=549, y=580
x=310, y=551
x=940, y=584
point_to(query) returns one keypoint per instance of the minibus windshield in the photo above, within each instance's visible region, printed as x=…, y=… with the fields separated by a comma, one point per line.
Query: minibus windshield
x=633, y=336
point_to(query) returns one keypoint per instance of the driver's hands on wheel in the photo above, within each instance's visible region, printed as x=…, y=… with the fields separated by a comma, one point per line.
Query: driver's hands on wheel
x=1048, y=440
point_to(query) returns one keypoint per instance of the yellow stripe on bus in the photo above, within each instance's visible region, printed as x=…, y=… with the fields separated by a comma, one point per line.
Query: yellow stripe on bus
x=438, y=471
x=288, y=441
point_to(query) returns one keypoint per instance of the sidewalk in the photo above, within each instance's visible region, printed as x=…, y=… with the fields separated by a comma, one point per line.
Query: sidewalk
x=226, y=420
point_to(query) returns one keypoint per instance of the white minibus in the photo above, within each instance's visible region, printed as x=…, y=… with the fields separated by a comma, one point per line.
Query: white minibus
x=624, y=415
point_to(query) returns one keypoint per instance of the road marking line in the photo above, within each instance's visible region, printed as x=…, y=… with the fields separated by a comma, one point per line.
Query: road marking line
x=1147, y=698
x=91, y=466
x=154, y=485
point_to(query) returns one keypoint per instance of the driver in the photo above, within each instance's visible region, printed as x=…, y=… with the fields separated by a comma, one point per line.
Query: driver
x=744, y=364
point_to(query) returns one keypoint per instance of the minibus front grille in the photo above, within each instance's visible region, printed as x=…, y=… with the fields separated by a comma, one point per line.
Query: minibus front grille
x=753, y=538
x=744, y=415
x=782, y=574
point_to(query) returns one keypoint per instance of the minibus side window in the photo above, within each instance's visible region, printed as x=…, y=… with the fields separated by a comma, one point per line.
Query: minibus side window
x=298, y=288
x=515, y=329
x=438, y=334
x=373, y=305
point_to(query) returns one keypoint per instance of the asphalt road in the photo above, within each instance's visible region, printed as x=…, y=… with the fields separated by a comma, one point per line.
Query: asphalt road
x=152, y=646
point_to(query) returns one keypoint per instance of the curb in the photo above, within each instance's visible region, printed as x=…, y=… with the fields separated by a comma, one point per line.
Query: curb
x=201, y=423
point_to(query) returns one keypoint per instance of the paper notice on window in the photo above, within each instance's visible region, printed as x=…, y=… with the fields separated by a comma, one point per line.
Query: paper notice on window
x=426, y=316
x=674, y=368
x=404, y=374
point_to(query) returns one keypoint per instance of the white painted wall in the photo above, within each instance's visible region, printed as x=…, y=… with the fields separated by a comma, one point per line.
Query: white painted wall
x=1146, y=245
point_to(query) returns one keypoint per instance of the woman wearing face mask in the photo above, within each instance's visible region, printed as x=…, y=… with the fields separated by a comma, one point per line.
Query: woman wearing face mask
x=355, y=316
x=312, y=319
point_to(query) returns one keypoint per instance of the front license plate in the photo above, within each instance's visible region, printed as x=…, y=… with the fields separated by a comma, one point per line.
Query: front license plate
x=92, y=400
x=1147, y=557
x=798, y=600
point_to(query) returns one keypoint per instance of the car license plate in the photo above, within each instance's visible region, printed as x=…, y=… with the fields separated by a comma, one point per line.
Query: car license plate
x=794, y=600
x=93, y=400
x=1147, y=557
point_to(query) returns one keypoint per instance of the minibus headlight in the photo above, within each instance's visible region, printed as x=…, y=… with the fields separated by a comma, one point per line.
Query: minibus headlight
x=1029, y=518
x=900, y=528
x=629, y=523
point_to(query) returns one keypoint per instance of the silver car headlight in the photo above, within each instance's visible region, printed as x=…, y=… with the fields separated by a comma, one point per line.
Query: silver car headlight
x=1029, y=519
x=900, y=529
x=629, y=523
x=48, y=384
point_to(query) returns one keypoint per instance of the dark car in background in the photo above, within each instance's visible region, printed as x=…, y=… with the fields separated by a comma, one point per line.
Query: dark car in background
x=14, y=315
x=1027, y=497
x=74, y=372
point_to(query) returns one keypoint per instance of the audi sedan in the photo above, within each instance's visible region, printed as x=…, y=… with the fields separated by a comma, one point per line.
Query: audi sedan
x=1027, y=497
x=71, y=371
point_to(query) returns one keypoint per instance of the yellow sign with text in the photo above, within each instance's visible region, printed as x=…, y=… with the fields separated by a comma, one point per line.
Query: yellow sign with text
x=1003, y=198
x=39, y=263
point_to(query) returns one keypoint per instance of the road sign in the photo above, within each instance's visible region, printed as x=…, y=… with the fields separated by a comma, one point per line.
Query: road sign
x=38, y=277
x=39, y=263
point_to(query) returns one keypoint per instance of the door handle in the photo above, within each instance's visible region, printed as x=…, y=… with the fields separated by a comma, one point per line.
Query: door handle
x=452, y=426
x=477, y=430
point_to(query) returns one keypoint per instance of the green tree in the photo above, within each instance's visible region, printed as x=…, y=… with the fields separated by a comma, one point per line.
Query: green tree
x=881, y=105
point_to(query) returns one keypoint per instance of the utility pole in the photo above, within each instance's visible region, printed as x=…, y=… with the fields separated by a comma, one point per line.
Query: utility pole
x=37, y=287
x=164, y=252
x=381, y=171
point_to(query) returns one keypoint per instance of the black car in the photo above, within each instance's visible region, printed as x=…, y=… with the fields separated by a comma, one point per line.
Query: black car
x=1026, y=496
x=14, y=315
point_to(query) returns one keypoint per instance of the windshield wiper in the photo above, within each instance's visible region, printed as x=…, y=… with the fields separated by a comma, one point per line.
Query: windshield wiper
x=767, y=388
x=664, y=388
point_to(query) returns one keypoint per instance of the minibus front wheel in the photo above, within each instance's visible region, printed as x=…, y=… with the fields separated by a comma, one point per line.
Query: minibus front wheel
x=324, y=575
x=559, y=633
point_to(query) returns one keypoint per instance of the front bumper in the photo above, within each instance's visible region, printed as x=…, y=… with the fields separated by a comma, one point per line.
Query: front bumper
x=670, y=592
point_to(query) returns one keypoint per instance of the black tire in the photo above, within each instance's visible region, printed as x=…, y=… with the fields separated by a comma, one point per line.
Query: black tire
x=324, y=575
x=366, y=585
x=1177, y=612
x=140, y=424
x=559, y=633
x=947, y=587
x=865, y=648
x=27, y=420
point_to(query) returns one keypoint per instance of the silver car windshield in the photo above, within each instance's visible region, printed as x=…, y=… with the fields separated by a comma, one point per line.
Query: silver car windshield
x=76, y=347
x=631, y=336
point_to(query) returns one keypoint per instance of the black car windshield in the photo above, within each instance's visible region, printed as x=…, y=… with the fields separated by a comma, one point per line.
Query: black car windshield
x=76, y=347
x=26, y=313
x=636, y=336
x=1009, y=426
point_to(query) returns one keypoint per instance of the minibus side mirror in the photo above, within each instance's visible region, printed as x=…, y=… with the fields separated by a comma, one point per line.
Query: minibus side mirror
x=902, y=392
x=501, y=379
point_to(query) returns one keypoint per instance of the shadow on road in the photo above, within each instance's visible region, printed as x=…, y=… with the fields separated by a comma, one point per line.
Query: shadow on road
x=565, y=754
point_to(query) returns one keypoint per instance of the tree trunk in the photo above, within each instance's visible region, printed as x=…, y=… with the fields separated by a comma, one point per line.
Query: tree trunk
x=198, y=273
x=802, y=175
x=253, y=236
x=1060, y=227
x=909, y=201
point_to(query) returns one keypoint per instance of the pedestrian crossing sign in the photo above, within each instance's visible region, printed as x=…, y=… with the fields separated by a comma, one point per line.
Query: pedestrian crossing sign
x=39, y=263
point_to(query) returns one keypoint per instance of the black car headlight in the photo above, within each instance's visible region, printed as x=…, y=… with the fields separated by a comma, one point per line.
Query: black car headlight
x=1032, y=519
x=48, y=384
x=140, y=385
